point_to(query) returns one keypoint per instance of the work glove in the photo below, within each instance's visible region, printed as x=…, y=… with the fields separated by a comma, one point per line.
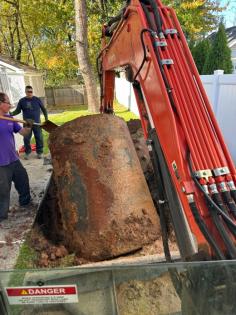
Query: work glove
x=28, y=123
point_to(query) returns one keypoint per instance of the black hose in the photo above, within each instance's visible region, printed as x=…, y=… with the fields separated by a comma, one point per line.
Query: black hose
x=230, y=203
x=157, y=16
x=217, y=199
x=115, y=18
x=233, y=194
x=208, y=198
x=203, y=228
x=167, y=85
x=148, y=17
x=223, y=233
x=144, y=52
x=161, y=206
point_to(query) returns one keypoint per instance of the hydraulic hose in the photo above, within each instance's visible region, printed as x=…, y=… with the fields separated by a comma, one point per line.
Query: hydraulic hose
x=223, y=233
x=157, y=16
x=113, y=22
x=203, y=228
x=217, y=199
x=230, y=203
x=161, y=206
x=144, y=52
x=167, y=85
x=148, y=17
x=233, y=194
x=209, y=199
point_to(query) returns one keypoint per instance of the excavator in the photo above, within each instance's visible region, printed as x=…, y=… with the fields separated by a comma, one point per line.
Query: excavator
x=191, y=161
x=192, y=165
x=194, y=173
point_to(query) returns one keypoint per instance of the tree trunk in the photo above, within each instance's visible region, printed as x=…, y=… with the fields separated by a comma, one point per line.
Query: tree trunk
x=83, y=55
x=19, y=49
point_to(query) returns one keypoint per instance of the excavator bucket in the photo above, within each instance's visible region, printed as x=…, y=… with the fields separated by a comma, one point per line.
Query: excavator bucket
x=102, y=213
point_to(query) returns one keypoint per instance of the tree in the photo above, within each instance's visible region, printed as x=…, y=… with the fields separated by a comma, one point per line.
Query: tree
x=86, y=69
x=196, y=17
x=200, y=53
x=98, y=15
x=43, y=33
x=40, y=34
x=12, y=28
x=219, y=56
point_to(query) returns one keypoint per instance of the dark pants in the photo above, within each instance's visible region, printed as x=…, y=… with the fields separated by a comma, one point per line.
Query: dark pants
x=38, y=139
x=17, y=173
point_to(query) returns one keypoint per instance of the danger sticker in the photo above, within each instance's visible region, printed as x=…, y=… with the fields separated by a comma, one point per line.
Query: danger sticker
x=42, y=295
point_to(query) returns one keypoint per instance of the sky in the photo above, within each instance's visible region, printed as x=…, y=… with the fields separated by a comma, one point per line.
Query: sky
x=230, y=13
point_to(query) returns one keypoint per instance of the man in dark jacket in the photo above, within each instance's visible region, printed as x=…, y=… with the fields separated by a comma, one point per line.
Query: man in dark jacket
x=31, y=106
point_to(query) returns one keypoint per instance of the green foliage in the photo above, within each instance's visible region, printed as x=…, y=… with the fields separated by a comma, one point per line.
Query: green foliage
x=52, y=31
x=200, y=53
x=99, y=15
x=48, y=28
x=219, y=56
x=47, y=34
x=196, y=17
x=27, y=257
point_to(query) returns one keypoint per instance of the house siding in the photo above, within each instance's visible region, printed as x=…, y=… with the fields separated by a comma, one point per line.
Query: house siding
x=233, y=54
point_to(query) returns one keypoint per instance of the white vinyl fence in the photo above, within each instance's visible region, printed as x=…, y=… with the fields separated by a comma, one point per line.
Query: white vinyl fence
x=221, y=90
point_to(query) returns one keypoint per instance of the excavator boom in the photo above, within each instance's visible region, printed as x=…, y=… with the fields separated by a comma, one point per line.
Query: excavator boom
x=193, y=167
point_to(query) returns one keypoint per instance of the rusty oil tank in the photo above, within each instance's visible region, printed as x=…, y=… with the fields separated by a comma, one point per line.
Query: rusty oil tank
x=105, y=204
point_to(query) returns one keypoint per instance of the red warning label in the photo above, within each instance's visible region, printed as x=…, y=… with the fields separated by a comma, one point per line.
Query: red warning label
x=42, y=295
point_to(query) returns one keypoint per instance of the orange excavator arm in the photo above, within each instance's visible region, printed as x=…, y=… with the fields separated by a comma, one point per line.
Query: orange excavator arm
x=195, y=172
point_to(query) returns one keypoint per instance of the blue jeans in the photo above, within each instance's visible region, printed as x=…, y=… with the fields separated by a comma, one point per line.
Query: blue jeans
x=14, y=172
x=38, y=139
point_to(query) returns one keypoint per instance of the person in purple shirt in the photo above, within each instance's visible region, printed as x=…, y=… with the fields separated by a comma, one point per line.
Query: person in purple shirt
x=11, y=169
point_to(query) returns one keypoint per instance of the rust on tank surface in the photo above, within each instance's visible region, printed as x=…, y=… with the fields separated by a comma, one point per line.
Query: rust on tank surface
x=105, y=205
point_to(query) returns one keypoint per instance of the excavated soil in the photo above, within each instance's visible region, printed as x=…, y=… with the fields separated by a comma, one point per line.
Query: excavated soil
x=148, y=297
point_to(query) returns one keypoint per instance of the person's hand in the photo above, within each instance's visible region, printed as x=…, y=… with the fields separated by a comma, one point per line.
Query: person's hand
x=28, y=123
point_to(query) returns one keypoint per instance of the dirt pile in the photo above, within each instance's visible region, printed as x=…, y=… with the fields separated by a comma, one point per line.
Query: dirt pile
x=147, y=297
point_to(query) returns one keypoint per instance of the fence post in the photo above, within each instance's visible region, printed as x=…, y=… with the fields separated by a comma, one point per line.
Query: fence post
x=54, y=96
x=216, y=90
x=129, y=97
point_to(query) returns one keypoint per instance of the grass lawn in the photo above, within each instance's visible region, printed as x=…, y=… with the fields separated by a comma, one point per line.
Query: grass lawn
x=63, y=117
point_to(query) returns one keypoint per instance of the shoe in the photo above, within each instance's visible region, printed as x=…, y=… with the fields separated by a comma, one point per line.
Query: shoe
x=4, y=224
x=27, y=206
x=39, y=156
x=3, y=219
x=26, y=156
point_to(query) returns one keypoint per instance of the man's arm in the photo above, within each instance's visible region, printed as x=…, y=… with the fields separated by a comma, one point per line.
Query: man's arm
x=24, y=131
x=27, y=127
x=17, y=110
x=43, y=109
